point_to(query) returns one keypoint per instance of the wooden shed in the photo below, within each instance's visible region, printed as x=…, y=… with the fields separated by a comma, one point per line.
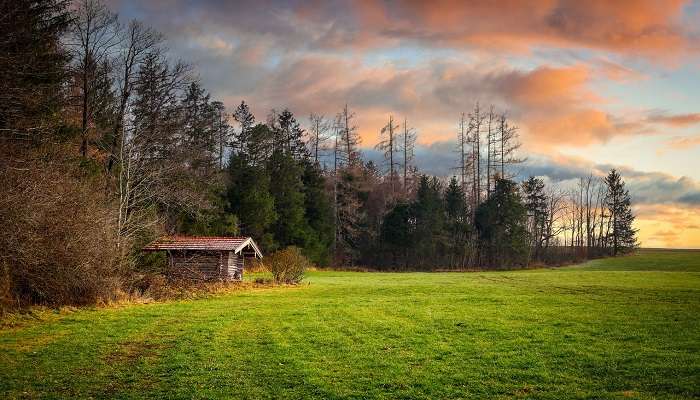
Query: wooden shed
x=207, y=258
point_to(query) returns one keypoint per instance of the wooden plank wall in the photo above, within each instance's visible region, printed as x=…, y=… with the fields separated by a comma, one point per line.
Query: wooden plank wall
x=203, y=266
x=233, y=265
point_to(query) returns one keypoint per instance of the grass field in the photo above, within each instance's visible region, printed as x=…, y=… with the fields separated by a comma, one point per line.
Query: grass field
x=622, y=328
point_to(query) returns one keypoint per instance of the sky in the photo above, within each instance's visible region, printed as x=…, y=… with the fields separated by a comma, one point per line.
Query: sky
x=591, y=85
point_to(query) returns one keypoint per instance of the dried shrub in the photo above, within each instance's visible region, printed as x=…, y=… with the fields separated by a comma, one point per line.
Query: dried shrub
x=288, y=265
x=59, y=236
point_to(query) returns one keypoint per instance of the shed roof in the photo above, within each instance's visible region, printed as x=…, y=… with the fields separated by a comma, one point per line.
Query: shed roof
x=206, y=243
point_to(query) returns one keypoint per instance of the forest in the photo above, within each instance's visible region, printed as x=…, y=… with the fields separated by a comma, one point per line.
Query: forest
x=108, y=142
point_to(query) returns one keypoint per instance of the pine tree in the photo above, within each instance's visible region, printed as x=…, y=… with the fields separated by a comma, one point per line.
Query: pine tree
x=458, y=226
x=535, y=200
x=198, y=135
x=290, y=136
x=623, y=236
x=398, y=233
x=501, y=223
x=32, y=65
x=318, y=214
x=249, y=198
x=430, y=220
x=291, y=227
x=246, y=121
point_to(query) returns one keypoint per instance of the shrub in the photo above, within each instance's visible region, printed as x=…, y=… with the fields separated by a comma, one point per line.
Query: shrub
x=58, y=240
x=288, y=265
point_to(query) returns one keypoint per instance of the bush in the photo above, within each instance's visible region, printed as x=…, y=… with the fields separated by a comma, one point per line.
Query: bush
x=288, y=265
x=58, y=240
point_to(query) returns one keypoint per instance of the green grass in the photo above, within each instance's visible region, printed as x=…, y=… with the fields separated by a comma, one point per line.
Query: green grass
x=649, y=260
x=601, y=330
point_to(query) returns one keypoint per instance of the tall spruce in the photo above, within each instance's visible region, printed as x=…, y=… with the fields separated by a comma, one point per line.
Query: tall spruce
x=622, y=236
x=32, y=66
x=501, y=223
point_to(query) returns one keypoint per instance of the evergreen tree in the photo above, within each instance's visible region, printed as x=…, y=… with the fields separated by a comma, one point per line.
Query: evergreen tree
x=430, y=221
x=501, y=222
x=32, y=65
x=290, y=135
x=457, y=223
x=398, y=233
x=249, y=198
x=318, y=213
x=291, y=227
x=198, y=136
x=246, y=120
x=623, y=236
x=535, y=200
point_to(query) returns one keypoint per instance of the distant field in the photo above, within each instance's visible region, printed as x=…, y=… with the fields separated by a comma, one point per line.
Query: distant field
x=614, y=328
x=649, y=260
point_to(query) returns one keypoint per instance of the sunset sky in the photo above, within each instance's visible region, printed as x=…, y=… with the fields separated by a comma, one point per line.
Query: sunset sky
x=591, y=84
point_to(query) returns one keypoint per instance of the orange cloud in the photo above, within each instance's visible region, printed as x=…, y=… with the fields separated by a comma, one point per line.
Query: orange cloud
x=547, y=86
x=641, y=27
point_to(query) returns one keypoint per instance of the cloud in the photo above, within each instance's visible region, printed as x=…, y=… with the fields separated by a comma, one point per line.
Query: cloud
x=646, y=27
x=677, y=120
x=684, y=142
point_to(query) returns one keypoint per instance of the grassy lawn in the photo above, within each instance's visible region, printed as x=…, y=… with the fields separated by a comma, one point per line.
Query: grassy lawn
x=623, y=328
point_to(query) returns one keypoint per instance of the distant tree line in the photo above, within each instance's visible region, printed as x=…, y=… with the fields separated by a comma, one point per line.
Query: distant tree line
x=108, y=142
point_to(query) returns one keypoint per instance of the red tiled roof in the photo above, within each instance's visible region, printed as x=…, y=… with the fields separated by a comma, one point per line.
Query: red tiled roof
x=212, y=243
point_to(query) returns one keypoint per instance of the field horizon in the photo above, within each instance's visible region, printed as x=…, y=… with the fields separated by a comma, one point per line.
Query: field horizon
x=626, y=327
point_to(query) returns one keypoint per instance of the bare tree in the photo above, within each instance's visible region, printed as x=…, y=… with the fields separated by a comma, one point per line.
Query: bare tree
x=509, y=145
x=389, y=147
x=491, y=150
x=95, y=39
x=318, y=135
x=137, y=42
x=407, y=146
x=222, y=129
x=349, y=137
x=464, y=151
x=476, y=122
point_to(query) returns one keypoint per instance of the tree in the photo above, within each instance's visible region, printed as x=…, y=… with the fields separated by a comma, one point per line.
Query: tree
x=137, y=42
x=318, y=213
x=318, y=135
x=398, y=232
x=198, y=136
x=95, y=39
x=457, y=220
x=508, y=144
x=407, y=145
x=289, y=135
x=222, y=130
x=32, y=66
x=536, y=202
x=290, y=227
x=623, y=236
x=246, y=121
x=430, y=220
x=501, y=224
x=348, y=137
x=388, y=145
x=249, y=198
